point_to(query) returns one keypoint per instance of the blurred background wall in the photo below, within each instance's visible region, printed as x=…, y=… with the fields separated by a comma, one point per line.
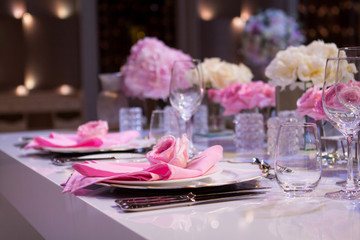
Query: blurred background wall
x=52, y=52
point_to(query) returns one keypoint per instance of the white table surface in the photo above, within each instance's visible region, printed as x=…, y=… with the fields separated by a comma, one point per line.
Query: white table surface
x=31, y=183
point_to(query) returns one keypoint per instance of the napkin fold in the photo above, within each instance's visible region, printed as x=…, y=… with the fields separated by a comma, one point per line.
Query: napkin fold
x=75, y=141
x=88, y=173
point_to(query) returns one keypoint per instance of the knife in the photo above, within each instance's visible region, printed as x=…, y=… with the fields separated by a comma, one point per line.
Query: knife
x=135, y=204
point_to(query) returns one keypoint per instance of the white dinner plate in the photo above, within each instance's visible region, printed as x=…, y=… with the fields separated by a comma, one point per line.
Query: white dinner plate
x=132, y=145
x=115, y=157
x=228, y=175
x=212, y=172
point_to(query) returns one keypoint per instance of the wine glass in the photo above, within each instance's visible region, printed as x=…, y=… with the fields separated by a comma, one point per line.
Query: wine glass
x=187, y=92
x=158, y=127
x=349, y=52
x=340, y=72
x=353, y=51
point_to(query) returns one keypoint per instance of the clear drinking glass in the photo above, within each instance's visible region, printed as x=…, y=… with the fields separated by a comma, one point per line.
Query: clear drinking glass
x=158, y=128
x=186, y=92
x=298, y=161
x=340, y=100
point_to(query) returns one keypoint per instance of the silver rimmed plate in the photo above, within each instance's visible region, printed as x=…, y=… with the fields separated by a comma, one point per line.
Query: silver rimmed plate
x=228, y=175
x=132, y=145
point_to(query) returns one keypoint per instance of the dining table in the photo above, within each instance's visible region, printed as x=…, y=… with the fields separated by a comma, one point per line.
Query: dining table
x=32, y=186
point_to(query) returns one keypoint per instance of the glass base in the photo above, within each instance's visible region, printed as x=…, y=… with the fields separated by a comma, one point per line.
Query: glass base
x=298, y=193
x=344, y=195
x=344, y=182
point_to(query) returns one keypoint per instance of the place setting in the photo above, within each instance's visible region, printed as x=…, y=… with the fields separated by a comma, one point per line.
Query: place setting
x=168, y=169
x=91, y=141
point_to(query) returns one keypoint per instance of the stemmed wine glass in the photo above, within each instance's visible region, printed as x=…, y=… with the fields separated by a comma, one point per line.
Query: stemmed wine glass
x=337, y=100
x=349, y=52
x=187, y=92
x=353, y=51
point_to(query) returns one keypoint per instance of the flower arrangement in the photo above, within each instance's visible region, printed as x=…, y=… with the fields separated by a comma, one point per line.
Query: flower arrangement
x=147, y=72
x=219, y=74
x=268, y=32
x=304, y=63
x=240, y=96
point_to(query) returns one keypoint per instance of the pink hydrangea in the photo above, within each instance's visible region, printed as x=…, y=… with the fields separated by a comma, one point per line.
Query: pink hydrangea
x=239, y=96
x=147, y=71
x=93, y=129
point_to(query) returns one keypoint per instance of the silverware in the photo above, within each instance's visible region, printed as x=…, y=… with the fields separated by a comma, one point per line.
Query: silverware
x=166, y=201
x=266, y=167
x=23, y=141
x=63, y=160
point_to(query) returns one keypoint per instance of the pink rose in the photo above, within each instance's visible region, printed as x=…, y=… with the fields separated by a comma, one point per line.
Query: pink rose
x=147, y=71
x=310, y=104
x=214, y=95
x=170, y=150
x=239, y=96
x=93, y=129
x=350, y=93
x=231, y=99
x=331, y=100
x=318, y=112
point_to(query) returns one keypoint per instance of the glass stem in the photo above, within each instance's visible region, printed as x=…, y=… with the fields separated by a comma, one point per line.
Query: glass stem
x=188, y=129
x=192, y=150
x=350, y=186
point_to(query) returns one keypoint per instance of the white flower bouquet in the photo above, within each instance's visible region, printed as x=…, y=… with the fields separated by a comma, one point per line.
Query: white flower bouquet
x=295, y=66
x=219, y=74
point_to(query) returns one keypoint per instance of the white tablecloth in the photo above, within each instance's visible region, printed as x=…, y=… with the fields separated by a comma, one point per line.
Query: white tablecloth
x=31, y=183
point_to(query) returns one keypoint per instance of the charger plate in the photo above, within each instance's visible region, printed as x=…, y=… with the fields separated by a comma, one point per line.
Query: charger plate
x=132, y=145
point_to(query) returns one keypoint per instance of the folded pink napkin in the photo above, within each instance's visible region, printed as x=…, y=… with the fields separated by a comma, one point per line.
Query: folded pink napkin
x=75, y=141
x=88, y=173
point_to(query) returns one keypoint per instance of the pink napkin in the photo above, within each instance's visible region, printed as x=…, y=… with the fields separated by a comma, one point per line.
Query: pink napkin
x=88, y=173
x=74, y=141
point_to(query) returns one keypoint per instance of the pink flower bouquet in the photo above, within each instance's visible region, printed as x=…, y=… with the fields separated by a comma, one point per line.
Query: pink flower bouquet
x=239, y=96
x=147, y=71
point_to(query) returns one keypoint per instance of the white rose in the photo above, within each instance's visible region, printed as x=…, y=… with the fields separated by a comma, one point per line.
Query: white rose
x=282, y=70
x=206, y=66
x=322, y=50
x=344, y=71
x=220, y=74
x=312, y=69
